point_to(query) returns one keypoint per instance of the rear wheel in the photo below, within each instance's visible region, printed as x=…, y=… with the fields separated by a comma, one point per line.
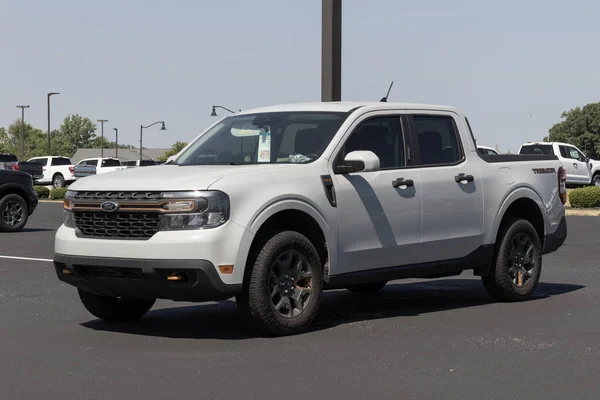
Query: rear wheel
x=58, y=181
x=283, y=290
x=13, y=213
x=518, y=263
x=113, y=308
x=369, y=288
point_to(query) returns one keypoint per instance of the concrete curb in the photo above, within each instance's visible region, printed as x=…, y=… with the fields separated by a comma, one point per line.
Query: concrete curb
x=583, y=212
x=50, y=201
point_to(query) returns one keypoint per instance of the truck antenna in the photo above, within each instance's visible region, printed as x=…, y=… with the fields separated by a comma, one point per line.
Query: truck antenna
x=384, y=100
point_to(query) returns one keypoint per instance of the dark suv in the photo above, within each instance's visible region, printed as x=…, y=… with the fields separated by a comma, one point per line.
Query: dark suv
x=18, y=200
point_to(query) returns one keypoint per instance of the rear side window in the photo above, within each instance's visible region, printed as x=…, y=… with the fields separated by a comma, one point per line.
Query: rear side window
x=111, y=163
x=40, y=161
x=537, y=149
x=438, y=140
x=60, y=161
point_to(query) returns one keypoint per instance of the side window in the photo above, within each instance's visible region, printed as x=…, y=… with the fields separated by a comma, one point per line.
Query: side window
x=381, y=135
x=563, y=152
x=438, y=140
x=573, y=153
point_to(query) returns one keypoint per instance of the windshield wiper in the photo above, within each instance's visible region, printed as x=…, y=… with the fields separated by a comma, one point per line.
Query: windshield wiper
x=219, y=163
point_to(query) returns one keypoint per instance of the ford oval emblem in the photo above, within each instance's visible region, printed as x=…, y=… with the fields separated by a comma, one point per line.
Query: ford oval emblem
x=109, y=206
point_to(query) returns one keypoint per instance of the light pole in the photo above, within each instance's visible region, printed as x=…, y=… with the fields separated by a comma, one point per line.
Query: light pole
x=526, y=123
x=117, y=142
x=214, y=111
x=22, y=131
x=49, y=94
x=102, y=121
x=142, y=127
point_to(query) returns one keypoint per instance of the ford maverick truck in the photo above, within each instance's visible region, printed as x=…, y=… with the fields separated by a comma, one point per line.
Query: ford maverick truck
x=272, y=206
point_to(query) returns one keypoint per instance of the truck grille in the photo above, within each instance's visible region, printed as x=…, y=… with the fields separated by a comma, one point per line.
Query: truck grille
x=121, y=225
x=112, y=272
x=117, y=196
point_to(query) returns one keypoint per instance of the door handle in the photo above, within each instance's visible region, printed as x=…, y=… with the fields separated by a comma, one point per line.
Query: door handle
x=575, y=165
x=463, y=177
x=403, y=182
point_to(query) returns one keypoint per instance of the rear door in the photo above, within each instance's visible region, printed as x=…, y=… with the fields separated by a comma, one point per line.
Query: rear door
x=451, y=188
x=577, y=168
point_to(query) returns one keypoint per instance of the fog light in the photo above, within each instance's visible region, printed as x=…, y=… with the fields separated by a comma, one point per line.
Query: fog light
x=174, y=276
x=66, y=271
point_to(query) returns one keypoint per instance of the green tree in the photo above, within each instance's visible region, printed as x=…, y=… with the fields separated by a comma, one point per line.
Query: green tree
x=175, y=148
x=20, y=140
x=78, y=131
x=581, y=127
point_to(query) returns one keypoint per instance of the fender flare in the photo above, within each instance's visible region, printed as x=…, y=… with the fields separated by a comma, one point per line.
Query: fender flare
x=512, y=196
x=285, y=204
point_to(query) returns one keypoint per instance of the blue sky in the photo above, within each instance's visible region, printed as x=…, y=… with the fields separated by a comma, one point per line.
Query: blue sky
x=138, y=61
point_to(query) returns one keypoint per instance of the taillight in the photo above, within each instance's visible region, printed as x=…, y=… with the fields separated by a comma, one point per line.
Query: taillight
x=562, y=185
x=72, y=170
x=16, y=167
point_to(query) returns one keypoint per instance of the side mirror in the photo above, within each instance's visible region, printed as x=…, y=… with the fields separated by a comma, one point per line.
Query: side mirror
x=359, y=161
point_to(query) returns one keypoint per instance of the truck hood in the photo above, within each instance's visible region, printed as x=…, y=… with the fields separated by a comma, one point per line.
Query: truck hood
x=168, y=177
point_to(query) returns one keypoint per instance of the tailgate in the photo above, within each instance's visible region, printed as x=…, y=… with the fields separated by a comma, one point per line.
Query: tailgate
x=82, y=171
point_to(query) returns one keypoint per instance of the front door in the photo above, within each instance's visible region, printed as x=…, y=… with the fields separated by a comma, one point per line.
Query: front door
x=577, y=168
x=378, y=221
x=451, y=189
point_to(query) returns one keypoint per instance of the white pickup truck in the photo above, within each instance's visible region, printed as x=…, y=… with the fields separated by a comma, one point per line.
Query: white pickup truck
x=275, y=205
x=97, y=166
x=57, y=171
x=581, y=170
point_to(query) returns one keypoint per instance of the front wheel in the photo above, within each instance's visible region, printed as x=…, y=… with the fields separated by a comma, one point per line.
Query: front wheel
x=518, y=263
x=596, y=180
x=13, y=213
x=113, y=308
x=282, y=293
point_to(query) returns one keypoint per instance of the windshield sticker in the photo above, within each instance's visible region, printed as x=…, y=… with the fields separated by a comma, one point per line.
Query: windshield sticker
x=264, y=146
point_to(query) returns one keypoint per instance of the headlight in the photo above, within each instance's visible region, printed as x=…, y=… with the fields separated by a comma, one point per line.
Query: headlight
x=211, y=209
x=68, y=213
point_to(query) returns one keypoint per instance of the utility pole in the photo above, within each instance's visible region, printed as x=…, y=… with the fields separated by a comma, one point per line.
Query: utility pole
x=331, y=50
x=49, y=94
x=117, y=142
x=102, y=121
x=22, y=131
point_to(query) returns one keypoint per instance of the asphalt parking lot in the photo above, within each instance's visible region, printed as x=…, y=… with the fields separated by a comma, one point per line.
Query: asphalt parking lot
x=442, y=339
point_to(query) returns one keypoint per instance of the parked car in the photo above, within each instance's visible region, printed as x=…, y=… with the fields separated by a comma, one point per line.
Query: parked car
x=58, y=171
x=581, y=170
x=487, y=150
x=18, y=200
x=10, y=162
x=276, y=204
x=138, y=163
x=96, y=166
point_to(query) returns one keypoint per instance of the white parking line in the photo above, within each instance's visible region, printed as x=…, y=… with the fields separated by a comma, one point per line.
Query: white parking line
x=27, y=258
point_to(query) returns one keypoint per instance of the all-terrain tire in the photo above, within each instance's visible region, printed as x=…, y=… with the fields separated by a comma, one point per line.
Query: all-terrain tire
x=115, y=309
x=498, y=283
x=13, y=213
x=255, y=301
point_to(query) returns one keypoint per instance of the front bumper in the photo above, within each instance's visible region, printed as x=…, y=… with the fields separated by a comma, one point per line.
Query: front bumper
x=144, y=279
x=554, y=240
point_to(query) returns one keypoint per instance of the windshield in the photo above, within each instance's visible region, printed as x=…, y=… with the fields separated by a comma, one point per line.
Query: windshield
x=281, y=137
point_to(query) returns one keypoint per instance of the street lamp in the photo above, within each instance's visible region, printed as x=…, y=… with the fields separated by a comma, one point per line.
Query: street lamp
x=102, y=121
x=49, y=94
x=214, y=111
x=117, y=142
x=22, y=131
x=526, y=127
x=142, y=127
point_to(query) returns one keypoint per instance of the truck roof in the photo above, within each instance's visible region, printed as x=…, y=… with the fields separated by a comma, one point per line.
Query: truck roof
x=545, y=143
x=345, y=106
